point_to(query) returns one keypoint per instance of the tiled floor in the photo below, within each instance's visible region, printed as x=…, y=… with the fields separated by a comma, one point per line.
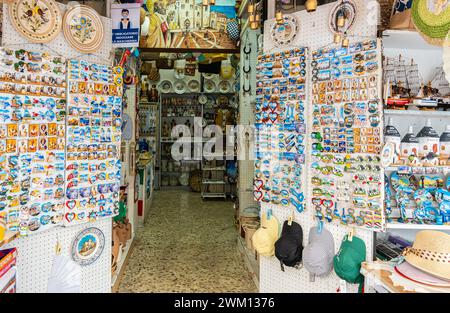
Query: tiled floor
x=187, y=245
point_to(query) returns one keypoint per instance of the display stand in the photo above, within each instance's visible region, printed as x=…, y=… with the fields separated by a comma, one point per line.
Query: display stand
x=411, y=45
x=36, y=252
x=314, y=33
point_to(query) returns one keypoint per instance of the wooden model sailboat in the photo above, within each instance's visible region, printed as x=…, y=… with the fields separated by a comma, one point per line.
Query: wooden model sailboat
x=397, y=89
x=435, y=92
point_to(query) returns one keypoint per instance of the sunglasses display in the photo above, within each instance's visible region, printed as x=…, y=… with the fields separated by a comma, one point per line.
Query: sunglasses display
x=346, y=136
x=281, y=128
x=93, y=142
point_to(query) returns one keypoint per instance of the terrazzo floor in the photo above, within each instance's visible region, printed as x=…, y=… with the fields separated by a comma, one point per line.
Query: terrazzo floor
x=186, y=245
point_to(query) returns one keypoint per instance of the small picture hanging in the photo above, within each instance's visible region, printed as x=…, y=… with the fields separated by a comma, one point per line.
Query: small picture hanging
x=342, y=17
x=284, y=33
x=39, y=21
x=88, y=246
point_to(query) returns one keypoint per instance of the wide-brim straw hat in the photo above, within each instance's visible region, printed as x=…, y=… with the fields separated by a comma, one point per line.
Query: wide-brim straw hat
x=430, y=253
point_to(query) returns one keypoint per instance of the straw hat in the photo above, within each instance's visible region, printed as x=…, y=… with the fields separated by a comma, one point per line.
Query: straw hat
x=265, y=237
x=430, y=253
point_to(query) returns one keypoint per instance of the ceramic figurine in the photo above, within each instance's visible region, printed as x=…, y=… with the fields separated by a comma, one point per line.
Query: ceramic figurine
x=409, y=144
x=428, y=140
x=391, y=134
x=431, y=159
x=444, y=146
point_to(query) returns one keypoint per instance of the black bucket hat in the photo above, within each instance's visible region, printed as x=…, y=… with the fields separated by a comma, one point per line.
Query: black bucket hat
x=289, y=247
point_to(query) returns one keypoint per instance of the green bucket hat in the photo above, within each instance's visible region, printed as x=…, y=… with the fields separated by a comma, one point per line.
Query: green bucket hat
x=347, y=262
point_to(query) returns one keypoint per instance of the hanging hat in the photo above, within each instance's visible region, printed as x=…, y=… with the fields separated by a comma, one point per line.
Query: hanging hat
x=289, y=247
x=264, y=238
x=430, y=253
x=347, y=262
x=318, y=254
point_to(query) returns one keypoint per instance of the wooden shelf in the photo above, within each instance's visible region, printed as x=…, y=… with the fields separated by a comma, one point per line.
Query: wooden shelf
x=117, y=277
x=418, y=169
x=9, y=237
x=396, y=225
x=422, y=113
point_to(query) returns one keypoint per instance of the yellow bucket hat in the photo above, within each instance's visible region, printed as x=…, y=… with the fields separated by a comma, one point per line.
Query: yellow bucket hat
x=264, y=238
x=430, y=253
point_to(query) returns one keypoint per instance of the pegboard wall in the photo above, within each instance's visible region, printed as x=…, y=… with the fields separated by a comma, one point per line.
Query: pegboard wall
x=246, y=114
x=35, y=256
x=35, y=253
x=314, y=33
x=12, y=39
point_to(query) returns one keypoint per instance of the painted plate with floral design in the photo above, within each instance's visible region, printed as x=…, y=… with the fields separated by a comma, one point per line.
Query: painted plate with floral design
x=83, y=29
x=39, y=21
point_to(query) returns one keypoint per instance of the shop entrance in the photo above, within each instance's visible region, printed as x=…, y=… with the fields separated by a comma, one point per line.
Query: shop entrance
x=187, y=245
x=186, y=183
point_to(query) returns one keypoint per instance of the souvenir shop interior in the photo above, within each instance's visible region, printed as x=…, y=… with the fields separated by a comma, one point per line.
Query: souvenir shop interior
x=288, y=146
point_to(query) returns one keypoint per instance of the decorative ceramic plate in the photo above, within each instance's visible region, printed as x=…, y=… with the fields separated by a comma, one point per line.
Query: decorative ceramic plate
x=202, y=99
x=347, y=8
x=285, y=33
x=210, y=86
x=179, y=87
x=222, y=100
x=83, y=29
x=39, y=21
x=194, y=85
x=165, y=86
x=224, y=86
x=88, y=246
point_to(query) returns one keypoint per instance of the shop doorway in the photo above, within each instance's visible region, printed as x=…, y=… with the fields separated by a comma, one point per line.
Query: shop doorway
x=187, y=238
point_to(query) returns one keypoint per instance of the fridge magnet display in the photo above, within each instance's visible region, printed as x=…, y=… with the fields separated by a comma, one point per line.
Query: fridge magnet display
x=32, y=145
x=83, y=29
x=88, y=246
x=342, y=17
x=39, y=21
x=280, y=128
x=284, y=33
x=94, y=121
x=346, y=174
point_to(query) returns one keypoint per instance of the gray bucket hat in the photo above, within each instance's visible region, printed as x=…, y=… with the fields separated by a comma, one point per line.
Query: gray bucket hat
x=318, y=254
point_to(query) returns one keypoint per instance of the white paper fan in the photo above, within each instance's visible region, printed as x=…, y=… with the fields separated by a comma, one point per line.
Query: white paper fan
x=65, y=276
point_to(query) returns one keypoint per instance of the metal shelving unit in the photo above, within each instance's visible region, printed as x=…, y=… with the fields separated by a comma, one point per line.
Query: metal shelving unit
x=169, y=141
